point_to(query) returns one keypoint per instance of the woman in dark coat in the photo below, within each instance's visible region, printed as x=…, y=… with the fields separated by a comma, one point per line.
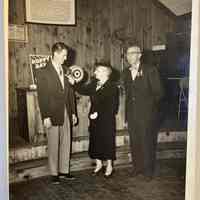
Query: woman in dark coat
x=103, y=94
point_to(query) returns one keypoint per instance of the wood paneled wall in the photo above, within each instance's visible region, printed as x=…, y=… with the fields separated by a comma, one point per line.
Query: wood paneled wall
x=103, y=26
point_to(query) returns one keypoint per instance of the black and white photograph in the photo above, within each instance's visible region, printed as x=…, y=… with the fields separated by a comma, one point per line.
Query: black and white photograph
x=102, y=99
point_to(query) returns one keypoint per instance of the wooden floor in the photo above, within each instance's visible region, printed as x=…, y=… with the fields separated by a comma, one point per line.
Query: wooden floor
x=168, y=184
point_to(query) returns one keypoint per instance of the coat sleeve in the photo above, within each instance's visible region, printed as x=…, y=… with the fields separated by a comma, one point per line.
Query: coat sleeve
x=125, y=88
x=86, y=89
x=70, y=99
x=156, y=85
x=43, y=94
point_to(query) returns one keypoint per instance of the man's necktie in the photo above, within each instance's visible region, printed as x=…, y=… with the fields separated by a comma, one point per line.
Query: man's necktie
x=61, y=75
x=60, y=71
x=134, y=72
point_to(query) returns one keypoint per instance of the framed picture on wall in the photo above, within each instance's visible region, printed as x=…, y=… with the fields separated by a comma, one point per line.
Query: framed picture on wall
x=59, y=12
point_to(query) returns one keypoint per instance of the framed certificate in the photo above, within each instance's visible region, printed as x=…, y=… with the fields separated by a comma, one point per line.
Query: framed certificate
x=59, y=12
x=17, y=33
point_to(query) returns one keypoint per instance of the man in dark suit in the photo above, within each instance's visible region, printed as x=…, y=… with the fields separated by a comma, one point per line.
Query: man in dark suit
x=143, y=92
x=58, y=110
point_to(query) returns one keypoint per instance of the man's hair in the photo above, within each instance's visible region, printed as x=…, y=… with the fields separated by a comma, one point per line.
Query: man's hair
x=106, y=65
x=130, y=44
x=58, y=47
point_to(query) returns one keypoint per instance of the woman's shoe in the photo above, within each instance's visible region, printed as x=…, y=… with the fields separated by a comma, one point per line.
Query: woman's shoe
x=96, y=173
x=109, y=175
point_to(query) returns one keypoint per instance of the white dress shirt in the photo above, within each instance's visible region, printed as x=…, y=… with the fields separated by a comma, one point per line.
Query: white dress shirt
x=134, y=71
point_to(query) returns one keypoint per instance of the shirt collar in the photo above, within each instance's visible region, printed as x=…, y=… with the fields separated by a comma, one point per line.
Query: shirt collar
x=56, y=66
x=135, y=67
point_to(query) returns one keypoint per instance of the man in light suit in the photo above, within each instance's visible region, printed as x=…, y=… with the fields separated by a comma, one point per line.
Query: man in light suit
x=58, y=110
x=143, y=93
